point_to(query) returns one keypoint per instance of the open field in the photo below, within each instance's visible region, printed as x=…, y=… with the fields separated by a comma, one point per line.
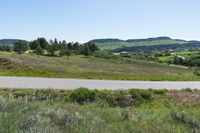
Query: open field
x=50, y=111
x=90, y=68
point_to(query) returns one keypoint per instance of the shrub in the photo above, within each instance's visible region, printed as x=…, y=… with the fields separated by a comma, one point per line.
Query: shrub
x=121, y=99
x=125, y=114
x=140, y=95
x=103, y=94
x=183, y=119
x=21, y=93
x=160, y=92
x=66, y=97
x=47, y=94
x=114, y=98
x=188, y=89
x=136, y=94
x=146, y=95
x=82, y=95
x=196, y=72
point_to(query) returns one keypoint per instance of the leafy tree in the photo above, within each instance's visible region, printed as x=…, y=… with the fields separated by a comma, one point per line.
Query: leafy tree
x=68, y=53
x=20, y=47
x=40, y=41
x=178, y=60
x=39, y=51
x=52, y=47
x=51, y=50
x=65, y=51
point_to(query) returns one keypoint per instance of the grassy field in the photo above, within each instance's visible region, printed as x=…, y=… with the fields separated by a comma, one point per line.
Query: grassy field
x=184, y=54
x=48, y=111
x=90, y=68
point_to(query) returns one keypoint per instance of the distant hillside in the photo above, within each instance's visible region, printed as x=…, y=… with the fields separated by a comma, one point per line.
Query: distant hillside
x=111, y=44
x=8, y=41
x=164, y=47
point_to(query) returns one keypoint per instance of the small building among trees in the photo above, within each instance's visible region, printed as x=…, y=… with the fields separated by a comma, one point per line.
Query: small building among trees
x=123, y=53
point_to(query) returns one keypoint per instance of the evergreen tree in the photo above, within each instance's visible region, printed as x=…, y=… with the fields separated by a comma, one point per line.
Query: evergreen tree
x=20, y=47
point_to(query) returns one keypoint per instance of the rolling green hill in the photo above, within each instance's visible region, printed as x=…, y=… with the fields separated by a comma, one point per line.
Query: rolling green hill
x=111, y=44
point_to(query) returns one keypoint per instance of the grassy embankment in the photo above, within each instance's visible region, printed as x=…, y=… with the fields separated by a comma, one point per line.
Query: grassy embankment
x=82, y=110
x=90, y=68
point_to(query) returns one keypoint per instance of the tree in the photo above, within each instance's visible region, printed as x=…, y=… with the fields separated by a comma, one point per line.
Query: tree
x=86, y=50
x=51, y=50
x=76, y=46
x=68, y=53
x=41, y=41
x=69, y=46
x=5, y=48
x=65, y=51
x=52, y=47
x=92, y=47
x=39, y=51
x=20, y=47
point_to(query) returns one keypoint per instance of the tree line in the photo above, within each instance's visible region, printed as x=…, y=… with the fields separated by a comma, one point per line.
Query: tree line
x=54, y=47
x=5, y=48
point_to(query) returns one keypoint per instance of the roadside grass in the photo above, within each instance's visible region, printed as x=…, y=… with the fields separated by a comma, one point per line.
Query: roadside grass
x=91, y=68
x=50, y=112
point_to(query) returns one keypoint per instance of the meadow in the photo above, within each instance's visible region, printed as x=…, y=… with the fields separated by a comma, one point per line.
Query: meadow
x=50, y=111
x=90, y=67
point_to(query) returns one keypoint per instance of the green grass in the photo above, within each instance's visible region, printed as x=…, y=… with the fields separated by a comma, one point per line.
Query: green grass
x=90, y=68
x=50, y=116
x=166, y=59
x=114, y=45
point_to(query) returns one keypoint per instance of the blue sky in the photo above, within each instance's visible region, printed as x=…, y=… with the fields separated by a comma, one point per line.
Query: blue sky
x=82, y=20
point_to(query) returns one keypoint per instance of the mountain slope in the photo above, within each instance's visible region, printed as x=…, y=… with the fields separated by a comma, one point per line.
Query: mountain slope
x=164, y=47
x=8, y=41
x=111, y=44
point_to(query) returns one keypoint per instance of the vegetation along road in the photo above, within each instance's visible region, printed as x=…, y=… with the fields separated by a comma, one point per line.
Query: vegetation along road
x=56, y=83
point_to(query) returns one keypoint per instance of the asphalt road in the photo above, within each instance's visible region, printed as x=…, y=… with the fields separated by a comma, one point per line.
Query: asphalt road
x=56, y=83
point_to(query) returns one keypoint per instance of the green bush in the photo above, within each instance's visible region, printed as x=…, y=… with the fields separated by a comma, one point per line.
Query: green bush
x=103, y=94
x=123, y=99
x=182, y=118
x=196, y=72
x=22, y=93
x=146, y=95
x=160, y=92
x=115, y=98
x=82, y=95
x=188, y=90
x=140, y=95
x=66, y=96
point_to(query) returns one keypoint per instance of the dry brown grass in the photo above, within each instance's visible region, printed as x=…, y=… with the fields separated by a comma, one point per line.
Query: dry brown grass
x=184, y=97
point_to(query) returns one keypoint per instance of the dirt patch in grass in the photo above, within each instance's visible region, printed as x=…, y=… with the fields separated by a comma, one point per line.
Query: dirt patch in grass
x=184, y=97
x=8, y=63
